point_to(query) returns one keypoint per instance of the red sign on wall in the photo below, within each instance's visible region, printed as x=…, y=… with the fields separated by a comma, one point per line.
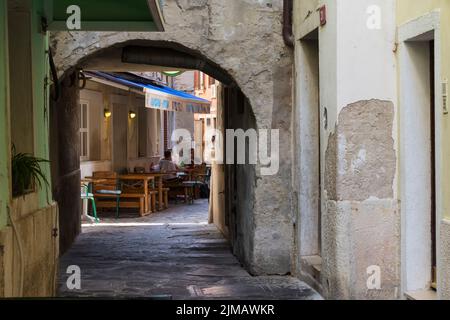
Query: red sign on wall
x=323, y=15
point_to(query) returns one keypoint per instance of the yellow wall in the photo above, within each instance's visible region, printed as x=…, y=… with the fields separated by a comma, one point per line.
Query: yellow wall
x=408, y=10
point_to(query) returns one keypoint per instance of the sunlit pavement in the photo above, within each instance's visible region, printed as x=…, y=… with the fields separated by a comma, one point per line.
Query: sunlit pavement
x=174, y=254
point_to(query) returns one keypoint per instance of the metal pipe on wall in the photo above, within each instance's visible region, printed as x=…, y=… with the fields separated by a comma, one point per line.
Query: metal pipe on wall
x=288, y=36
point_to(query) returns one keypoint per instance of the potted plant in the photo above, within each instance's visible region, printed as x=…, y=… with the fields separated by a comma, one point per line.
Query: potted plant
x=26, y=173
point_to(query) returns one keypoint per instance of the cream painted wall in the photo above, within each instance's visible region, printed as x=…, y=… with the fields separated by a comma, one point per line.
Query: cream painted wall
x=357, y=65
x=102, y=97
x=407, y=12
x=366, y=62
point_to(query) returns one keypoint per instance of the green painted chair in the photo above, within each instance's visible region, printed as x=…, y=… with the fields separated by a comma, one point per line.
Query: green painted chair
x=86, y=194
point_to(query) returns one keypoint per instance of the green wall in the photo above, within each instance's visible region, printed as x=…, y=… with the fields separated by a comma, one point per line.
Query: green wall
x=105, y=15
x=40, y=69
x=105, y=10
x=40, y=74
x=4, y=181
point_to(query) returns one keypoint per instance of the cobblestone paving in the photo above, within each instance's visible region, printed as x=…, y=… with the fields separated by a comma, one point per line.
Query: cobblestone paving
x=174, y=253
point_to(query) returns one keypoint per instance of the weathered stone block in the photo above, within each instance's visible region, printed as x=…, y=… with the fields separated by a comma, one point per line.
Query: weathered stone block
x=358, y=236
x=360, y=158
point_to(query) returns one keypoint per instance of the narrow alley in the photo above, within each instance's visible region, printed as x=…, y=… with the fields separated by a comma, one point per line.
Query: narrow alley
x=172, y=254
x=225, y=150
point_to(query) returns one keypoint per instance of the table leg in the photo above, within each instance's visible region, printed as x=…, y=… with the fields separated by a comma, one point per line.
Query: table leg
x=160, y=194
x=85, y=207
x=146, y=199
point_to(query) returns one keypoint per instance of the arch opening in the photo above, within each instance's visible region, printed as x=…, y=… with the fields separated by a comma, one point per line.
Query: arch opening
x=232, y=186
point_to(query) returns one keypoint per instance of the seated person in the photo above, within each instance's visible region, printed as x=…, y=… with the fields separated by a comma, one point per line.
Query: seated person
x=167, y=165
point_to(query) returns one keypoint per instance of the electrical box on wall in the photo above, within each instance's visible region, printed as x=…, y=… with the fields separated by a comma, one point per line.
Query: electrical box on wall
x=445, y=96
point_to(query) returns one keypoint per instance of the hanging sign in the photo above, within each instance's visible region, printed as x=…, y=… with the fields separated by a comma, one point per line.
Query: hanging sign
x=167, y=102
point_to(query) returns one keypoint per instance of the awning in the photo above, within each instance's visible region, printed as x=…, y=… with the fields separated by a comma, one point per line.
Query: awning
x=161, y=97
x=106, y=15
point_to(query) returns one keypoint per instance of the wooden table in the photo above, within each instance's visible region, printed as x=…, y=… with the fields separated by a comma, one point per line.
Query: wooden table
x=188, y=171
x=159, y=176
x=145, y=178
x=88, y=180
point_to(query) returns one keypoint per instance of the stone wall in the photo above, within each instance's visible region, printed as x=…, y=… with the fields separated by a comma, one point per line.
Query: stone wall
x=217, y=214
x=359, y=206
x=65, y=161
x=244, y=39
x=362, y=221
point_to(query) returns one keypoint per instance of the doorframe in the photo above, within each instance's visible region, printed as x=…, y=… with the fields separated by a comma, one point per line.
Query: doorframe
x=408, y=32
x=87, y=156
x=307, y=156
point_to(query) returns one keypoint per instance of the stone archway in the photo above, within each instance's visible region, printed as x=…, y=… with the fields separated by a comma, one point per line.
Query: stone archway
x=243, y=39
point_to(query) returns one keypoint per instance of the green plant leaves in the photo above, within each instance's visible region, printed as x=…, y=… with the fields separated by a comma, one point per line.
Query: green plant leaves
x=26, y=171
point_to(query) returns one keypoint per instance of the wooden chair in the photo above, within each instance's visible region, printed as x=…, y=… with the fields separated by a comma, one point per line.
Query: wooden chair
x=201, y=175
x=107, y=193
x=87, y=195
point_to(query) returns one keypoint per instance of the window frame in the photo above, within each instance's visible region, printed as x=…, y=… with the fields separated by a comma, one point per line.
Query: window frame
x=85, y=131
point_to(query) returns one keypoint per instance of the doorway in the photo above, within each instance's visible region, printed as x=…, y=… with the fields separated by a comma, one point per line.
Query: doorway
x=418, y=164
x=309, y=115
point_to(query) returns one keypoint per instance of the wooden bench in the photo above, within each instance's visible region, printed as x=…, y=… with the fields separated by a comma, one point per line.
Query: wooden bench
x=109, y=194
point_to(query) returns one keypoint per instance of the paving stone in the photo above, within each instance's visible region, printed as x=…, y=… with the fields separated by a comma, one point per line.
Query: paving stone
x=158, y=256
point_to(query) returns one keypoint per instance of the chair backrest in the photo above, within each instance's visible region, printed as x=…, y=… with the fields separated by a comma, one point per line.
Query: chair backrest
x=200, y=169
x=139, y=170
x=109, y=183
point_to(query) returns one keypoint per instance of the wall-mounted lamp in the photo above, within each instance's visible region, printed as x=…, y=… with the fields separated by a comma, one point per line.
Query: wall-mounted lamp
x=132, y=114
x=107, y=113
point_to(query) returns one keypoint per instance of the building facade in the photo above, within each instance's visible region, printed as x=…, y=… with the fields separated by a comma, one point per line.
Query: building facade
x=370, y=148
x=28, y=221
x=360, y=206
x=207, y=88
x=250, y=58
x=423, y=71
x=30, y=217
x=117, y=132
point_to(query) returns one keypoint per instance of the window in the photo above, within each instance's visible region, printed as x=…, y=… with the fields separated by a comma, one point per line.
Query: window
x=196, y=80
x=84, y=130
x=202, y=81
x=213, y=91
x=208, y=122
x=212, y=81
x=143, y=135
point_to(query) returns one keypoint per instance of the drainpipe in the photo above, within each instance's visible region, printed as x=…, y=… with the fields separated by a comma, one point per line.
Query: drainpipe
x=288, y=36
